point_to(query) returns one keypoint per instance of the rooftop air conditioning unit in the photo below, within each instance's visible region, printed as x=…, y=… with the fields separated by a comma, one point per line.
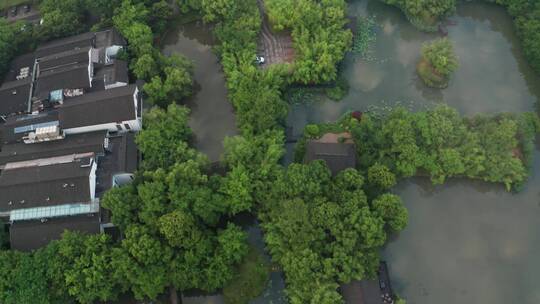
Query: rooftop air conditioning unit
x=111, y=53
x=44, y=134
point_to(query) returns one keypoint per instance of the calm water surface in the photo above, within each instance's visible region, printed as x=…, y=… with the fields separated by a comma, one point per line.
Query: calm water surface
x=467, y=242
x=493, y=75
x=212, y=117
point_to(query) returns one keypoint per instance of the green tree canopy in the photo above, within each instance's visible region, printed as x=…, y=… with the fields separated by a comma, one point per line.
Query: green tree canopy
x=440, y=54
x=390, y=208
x=164, y=138
x=322, y=230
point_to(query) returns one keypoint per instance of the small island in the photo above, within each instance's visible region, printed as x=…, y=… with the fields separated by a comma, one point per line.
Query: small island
x=438, y=63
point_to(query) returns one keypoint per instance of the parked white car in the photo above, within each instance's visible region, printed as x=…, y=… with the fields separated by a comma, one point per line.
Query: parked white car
x=260, y=59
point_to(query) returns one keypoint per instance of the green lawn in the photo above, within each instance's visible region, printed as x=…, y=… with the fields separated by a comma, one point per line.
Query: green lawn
x=9, y=3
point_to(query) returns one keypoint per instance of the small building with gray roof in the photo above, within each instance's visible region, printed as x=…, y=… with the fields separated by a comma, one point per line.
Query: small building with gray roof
x=337, y=150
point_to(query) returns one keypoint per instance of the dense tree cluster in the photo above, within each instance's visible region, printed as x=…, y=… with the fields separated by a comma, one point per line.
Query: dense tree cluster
x=175, y=212
x=324, y=231
x=527, y=21
x=438, y=63
x=317, y=28
x=60, y=18
x=169, y=79
x=442, y=144
x=10, y=43
x=67, y=17
x=319, y=35
x=250, y=280
x=75, y=268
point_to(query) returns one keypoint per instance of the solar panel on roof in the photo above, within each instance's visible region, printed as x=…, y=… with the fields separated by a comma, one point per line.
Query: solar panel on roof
x=56, y=95
x=30, y=128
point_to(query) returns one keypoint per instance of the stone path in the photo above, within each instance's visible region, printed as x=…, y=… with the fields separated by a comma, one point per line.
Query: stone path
x=275, y=47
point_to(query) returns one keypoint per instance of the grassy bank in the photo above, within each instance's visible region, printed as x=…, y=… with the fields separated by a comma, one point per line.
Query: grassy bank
x=4, y=4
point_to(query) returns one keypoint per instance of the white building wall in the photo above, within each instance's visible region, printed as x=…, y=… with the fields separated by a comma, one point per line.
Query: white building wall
x=90, y=72
x=94, y=55
x=135, y=94
x=115, y=85
x=93, y=180
x=134, y=124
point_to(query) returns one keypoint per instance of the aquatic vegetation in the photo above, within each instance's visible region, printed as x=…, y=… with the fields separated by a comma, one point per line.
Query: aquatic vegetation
x=365, y=36
x=301, y=95
x=437, y=63
x=310, y=94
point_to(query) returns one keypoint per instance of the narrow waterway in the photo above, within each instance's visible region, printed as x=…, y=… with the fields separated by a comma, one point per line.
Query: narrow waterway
x=212, y=116
x=467, y=241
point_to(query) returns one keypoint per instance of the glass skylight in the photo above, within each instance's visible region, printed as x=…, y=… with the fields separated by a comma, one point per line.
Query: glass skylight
x=53, y=211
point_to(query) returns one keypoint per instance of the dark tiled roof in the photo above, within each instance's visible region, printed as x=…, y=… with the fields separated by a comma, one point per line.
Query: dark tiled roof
x=30, y=235
x=72, y=76
x=109, y=37
x=108, y=106
x=72, y=144
x=110, y=74
x=46, y=185
x=120, y=73
x=14, y=96
x=64, y=58
x=338, y=156
x=361, y=292
x=8, y=129
x=23, y=61
x=121, y=158
x=66, y=44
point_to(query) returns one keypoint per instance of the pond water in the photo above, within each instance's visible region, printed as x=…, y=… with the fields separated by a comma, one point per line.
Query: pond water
x=467, y=242
x=493, y=75
x=212, y=116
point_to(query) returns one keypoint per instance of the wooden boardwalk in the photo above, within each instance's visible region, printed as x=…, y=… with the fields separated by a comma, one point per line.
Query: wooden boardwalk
x=275, y=47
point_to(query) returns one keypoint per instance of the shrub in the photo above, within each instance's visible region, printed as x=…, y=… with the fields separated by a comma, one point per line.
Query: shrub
x=381, y=177
x=437, y=63
x=251, y=278
x=440, y=54
x=339, y=90
x=312, y=130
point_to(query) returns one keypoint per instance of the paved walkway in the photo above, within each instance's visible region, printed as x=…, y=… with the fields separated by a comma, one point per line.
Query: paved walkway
x=275, y=47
